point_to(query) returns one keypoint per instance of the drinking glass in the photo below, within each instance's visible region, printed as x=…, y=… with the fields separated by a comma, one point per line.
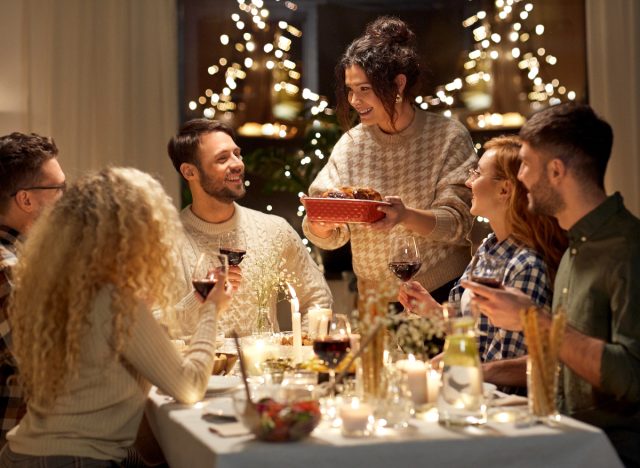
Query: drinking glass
x=233, y=244
x=207, y=270
x=488, y=272
x=404, y=258
x=333, y=344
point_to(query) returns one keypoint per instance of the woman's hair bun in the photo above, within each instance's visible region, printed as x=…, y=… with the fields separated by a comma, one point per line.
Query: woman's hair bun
x=391, y=30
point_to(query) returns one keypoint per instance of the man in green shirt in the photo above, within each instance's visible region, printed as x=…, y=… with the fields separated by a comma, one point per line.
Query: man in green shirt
x=564, y=157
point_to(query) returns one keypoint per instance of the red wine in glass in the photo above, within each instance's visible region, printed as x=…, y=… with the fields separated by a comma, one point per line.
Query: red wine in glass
x=234, y=245
x=206, y=272
x=490, y=282
x=405, y=270
x=204, y=286
x=235, y=255
x=331, y=350
x=488, y=272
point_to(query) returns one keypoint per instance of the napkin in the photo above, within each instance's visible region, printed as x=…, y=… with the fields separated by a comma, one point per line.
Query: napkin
x=229, y=429
x=509, y=400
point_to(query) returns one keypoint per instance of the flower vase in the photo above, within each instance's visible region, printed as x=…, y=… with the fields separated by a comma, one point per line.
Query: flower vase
x=263, y=323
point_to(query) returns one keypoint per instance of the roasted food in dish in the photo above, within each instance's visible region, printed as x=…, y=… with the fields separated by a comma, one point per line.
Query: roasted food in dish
x=357, y=193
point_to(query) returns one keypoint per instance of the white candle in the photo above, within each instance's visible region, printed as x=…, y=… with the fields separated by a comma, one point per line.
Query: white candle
x=255, y=353
x=313, y=316
x=296, y=322
x=355, y=417
x=433, y=385
x=416, y=372
x=323, y=327
x=296, y=325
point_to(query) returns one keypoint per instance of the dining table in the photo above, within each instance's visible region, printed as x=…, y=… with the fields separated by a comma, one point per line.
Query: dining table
x=184, y=432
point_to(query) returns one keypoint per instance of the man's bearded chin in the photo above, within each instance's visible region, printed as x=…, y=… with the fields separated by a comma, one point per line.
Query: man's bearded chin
x=224, y=195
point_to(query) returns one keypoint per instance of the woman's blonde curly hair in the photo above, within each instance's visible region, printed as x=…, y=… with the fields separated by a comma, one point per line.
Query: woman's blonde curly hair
x=117, y=229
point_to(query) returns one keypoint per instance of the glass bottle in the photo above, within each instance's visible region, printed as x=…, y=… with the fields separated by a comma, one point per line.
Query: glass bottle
x=461, y=400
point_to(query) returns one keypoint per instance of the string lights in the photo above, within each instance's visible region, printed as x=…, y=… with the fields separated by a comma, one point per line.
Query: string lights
x=505, y=34
x=252, y=24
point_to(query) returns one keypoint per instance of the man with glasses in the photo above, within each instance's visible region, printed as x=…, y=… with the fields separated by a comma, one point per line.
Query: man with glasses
x=30, y=180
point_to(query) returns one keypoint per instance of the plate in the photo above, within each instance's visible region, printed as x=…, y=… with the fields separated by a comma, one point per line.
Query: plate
x=222, y=383
x=341, y=210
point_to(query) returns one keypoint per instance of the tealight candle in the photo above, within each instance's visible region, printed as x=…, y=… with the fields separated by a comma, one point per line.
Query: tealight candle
x=255, y=353
x=355, y=416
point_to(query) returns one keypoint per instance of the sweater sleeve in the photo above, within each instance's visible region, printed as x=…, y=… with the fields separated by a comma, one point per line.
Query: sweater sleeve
x=313, y=289
x=328, y=177
x=153, y=355
x=452, y=198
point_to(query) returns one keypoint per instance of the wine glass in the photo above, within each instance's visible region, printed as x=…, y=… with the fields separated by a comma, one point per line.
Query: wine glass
x=404, y=257
x=488, y=272
x=234, y=245
x=208, y=268
x=333, y=343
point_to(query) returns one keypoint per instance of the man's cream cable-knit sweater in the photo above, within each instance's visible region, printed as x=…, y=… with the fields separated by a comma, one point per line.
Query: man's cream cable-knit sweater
x=427, y=165
x=265, y=235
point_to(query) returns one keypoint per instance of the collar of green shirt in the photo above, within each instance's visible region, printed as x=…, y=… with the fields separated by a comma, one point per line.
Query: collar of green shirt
x=591, y=222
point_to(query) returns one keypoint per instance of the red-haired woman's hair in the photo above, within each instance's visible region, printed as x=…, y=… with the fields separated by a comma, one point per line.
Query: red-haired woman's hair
x=539, y=232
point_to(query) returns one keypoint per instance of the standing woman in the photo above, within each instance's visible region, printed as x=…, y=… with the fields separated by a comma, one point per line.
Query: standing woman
x=87, y=345
x=419, y=160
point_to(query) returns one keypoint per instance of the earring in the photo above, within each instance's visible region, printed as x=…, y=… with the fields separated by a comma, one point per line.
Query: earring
x=398, y=98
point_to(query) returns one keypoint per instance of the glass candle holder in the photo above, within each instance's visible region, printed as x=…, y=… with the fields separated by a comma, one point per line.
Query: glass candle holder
x=356, y=415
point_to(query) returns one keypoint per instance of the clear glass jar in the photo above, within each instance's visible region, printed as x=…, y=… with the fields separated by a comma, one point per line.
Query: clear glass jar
x=461, y=400
x=395, y=407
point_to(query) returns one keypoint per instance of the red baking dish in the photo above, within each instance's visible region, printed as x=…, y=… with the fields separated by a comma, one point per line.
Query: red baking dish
x=343, y=210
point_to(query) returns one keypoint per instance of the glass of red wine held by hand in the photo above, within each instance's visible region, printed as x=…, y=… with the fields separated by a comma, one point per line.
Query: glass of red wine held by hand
x=404, y=257
x=487, y=272
x=333, y=344
x=233, y=244
x=208, y=268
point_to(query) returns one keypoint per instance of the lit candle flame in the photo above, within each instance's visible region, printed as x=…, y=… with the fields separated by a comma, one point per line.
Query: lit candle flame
x=295, y=303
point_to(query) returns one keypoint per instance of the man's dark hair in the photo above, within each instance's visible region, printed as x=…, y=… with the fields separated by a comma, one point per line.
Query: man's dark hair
x=183, y=148
x=574, y=134
x=21, y=160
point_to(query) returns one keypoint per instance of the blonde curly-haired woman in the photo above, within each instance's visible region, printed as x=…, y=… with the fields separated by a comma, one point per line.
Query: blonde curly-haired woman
x=87, y=344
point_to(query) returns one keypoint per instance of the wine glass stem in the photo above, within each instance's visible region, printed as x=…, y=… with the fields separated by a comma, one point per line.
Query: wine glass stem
x=408, y=310
x=332, y=382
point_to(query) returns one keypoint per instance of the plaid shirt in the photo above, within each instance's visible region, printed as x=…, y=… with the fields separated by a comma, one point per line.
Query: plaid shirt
x=12, y=406
x=524, y=270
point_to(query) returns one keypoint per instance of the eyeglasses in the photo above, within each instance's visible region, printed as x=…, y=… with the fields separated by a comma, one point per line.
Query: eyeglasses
x=62, y=187
x=474, y=173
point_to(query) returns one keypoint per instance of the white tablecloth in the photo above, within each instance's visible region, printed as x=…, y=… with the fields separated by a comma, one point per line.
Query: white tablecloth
x=187, y=442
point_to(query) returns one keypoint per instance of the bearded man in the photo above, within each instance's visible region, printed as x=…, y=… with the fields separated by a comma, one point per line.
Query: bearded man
x=206, y=156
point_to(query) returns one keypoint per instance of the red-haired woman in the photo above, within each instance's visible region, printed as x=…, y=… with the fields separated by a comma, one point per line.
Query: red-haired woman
x=528, y=245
